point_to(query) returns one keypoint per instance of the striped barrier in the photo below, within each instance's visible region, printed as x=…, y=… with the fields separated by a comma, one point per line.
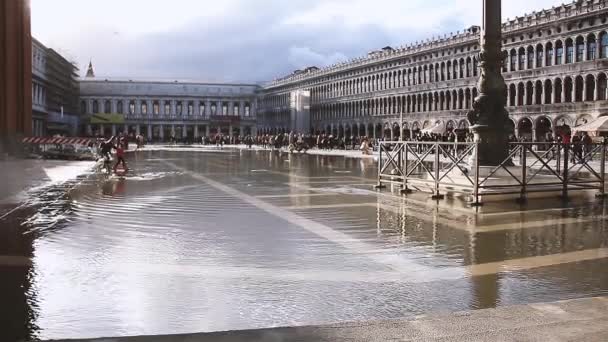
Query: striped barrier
x=58, y=141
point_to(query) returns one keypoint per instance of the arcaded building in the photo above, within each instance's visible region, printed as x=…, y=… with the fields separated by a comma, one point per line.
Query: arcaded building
x=160, y=110
x=555, y=69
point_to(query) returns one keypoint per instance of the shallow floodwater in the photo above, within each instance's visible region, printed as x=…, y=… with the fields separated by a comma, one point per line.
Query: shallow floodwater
x=195, y=241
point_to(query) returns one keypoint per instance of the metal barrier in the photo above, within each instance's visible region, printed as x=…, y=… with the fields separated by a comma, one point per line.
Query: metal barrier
x=439, y=167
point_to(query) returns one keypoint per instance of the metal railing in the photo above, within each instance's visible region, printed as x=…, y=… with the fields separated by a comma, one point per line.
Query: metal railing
x=444, y=167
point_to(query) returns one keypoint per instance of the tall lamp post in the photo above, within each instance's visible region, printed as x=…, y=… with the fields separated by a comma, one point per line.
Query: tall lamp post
x=489, y=119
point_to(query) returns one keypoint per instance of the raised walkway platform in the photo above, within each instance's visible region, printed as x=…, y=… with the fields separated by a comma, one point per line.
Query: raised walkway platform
x=573, y=320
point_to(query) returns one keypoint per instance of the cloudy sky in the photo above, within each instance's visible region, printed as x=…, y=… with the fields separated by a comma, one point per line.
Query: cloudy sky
x=242, y=40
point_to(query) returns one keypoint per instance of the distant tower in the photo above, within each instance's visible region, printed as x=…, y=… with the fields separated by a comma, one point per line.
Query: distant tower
x=90, y=72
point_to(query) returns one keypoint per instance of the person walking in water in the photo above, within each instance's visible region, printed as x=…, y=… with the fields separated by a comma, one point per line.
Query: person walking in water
x=120, y=154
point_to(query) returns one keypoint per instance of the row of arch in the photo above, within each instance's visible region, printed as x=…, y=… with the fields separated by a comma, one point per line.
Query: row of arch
x=428, y=73
x=568, y=89
x=559, y=52
x=570, y=50
x=460, y=99
x=169, y=107
x=531, y=128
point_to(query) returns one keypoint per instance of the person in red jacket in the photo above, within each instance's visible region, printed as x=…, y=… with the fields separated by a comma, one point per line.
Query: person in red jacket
x=120, y=154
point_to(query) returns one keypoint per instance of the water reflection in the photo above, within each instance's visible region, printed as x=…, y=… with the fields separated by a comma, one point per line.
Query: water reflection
x=307, y=241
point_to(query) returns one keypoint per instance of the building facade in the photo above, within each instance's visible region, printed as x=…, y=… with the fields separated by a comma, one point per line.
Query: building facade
x=555, y=70
x=55, y=93
x=161, y=110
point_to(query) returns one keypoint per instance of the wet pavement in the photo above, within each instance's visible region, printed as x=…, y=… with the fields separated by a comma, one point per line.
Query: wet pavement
x=210, y=240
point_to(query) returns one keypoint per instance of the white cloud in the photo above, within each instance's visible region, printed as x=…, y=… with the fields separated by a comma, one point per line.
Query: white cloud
x=243, y=40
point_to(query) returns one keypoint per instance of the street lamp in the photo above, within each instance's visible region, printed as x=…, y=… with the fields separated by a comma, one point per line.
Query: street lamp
x=489, y=119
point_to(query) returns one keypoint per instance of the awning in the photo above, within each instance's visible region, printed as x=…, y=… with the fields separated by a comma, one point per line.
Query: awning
x=594, y=127
x=58, y=141
x=438, y=128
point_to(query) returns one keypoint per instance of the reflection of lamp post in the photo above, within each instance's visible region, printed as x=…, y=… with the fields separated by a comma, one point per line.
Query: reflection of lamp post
x=489, y=118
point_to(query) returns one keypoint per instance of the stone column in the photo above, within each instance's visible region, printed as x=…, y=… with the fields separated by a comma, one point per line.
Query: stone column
x=489, y=117
x=15, y=74
x=173, y=108
x=149, y=135
x=161, y=133
x=584, y=97
x=138, y=129
x=595, y=91
x=207, y=108
x=207, y=130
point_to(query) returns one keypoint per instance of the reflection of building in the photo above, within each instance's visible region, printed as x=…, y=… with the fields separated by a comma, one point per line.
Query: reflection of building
x=555, y=74
x=54, y=92
x=160, y=110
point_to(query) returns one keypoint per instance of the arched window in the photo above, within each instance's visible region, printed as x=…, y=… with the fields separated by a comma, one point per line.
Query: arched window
x=144, y=107
x=529, y=93
x=569, y=51
x=95, y=107
x=540, y=56
x=549, y=54
x=513, y=60
x=601, y=87
x=522, y=59
x=591, y=48
x=83, y=107
x=548, y=91
x=578, y=84
x=167, y=108
x=520, y=94
x=224, y=109
x=132, y=107
x=590, y=85
x=558, y=91
x=155, y=108
x=247, y=109
x=461, y=68
x=475, y=66
x=201, y=108
x=512, y=94
x=538, y=92
x=568, y=90
x=190, y=108
x=236, y=110
x=604, y=45
x=179, y=108
x=107, y=107
x=530, y=57
x=119, y=107
x=559, y=53
x=580, y=49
